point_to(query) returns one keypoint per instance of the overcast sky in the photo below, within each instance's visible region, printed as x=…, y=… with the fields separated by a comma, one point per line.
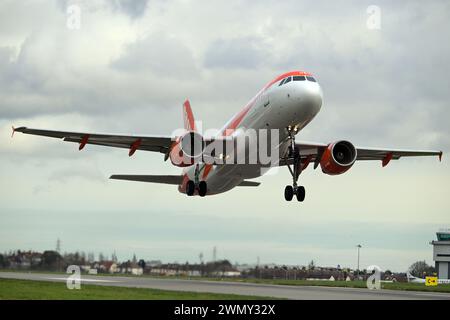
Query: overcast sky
x=128, y=68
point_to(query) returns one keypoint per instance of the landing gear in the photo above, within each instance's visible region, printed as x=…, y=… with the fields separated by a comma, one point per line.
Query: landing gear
x=190, y=188
x=294, y=153
x=299, y=193
x=288, y=193
x=200, y=186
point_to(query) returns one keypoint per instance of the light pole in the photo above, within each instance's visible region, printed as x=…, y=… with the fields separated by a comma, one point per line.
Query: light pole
x=359, y=247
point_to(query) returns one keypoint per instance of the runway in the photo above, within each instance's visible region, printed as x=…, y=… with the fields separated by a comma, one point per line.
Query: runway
x=276, y=291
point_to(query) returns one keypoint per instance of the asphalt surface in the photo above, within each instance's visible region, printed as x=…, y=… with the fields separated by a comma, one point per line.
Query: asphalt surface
x=277, y=291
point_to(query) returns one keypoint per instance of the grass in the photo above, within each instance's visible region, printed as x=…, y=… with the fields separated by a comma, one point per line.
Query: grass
x=416, y=287
x=11, y=289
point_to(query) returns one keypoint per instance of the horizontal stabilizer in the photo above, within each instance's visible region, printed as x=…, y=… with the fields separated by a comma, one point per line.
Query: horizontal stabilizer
x=146, y=178
x=247, y=183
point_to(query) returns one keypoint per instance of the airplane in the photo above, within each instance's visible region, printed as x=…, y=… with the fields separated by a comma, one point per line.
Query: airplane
x=287, y=104
x=413, y=279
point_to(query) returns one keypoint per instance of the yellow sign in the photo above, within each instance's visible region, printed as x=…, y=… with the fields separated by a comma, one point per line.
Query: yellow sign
x=431, y=281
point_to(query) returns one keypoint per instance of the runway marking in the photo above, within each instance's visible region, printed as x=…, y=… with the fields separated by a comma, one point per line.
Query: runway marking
x=83, y=280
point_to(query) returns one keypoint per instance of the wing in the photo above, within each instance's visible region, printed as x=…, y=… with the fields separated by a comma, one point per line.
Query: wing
x=395, y=154
x=247, y=183
x=167, y=179
x=146, y=178
x=148, y=143
x=312, y=152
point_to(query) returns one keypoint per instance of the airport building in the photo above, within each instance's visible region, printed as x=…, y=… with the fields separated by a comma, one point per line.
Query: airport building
x=441, y=253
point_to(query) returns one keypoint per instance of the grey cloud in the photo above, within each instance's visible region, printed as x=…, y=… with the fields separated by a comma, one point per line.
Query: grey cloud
x=36, y=84
x=133, y=8
x=240, y=53
x=160, y=54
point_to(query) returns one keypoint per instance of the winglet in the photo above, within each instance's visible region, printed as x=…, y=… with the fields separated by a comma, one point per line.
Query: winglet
x=387, y=159
x=83, y=142
x=134, y=146
x=440, y=156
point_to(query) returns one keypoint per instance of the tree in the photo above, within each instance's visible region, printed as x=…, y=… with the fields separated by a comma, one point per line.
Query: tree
x=51, y=260
x=311, y=265
x=76, y=258
x=83, y=257
x=141, y=264
x=421, y=269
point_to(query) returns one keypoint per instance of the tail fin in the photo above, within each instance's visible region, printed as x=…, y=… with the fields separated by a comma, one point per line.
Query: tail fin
x=409, y=276
x=188, y=117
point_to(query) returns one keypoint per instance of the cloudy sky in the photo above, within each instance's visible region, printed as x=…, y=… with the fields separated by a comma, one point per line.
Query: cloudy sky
x=128, y=65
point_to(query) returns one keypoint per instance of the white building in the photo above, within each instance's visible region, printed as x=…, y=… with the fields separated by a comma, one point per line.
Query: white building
x=441, y=253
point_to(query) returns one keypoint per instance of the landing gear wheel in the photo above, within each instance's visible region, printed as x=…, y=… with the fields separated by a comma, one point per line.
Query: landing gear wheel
x=300, y=193
x=294, y=159
x=202, y=189
x=190, y=188
x=288, y=193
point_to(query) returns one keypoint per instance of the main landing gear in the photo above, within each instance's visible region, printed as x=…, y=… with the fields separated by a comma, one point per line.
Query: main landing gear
x=201, y=186
x=294, y=153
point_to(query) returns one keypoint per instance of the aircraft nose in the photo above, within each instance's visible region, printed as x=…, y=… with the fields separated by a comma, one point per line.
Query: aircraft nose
x=310, y=96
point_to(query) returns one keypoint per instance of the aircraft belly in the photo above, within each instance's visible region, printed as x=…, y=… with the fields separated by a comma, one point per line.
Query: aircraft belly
x=222, y=179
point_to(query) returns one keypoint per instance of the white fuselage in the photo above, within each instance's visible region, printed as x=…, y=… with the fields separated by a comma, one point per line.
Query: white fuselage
x=293, y=104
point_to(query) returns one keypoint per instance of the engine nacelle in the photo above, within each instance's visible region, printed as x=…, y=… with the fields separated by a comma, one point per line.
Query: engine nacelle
x=338, y=157
x=187, y=149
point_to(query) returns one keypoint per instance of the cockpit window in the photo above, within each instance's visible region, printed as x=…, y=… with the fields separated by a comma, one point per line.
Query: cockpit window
x=311, y=79
x=299, y=78
x=295, y=78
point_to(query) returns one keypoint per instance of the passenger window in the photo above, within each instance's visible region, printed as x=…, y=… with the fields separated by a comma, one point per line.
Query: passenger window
x=299, y=78
x=311, y=79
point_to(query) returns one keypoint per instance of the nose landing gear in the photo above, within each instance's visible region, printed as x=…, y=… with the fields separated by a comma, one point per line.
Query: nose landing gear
x=201, y=186
x=294, y=153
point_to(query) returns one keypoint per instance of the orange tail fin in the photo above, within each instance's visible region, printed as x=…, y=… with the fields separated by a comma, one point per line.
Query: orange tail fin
x=188, y=117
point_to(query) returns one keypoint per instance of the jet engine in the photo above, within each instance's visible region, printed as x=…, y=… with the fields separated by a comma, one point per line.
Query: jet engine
x=187, y=149
x=338, y=157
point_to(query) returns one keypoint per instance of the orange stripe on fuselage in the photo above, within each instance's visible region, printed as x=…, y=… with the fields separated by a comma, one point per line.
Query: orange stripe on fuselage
x=206, y=171
x=287, y=74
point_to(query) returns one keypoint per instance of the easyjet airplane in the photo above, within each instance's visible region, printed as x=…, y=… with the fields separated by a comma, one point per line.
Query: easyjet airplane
x=287, y=104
